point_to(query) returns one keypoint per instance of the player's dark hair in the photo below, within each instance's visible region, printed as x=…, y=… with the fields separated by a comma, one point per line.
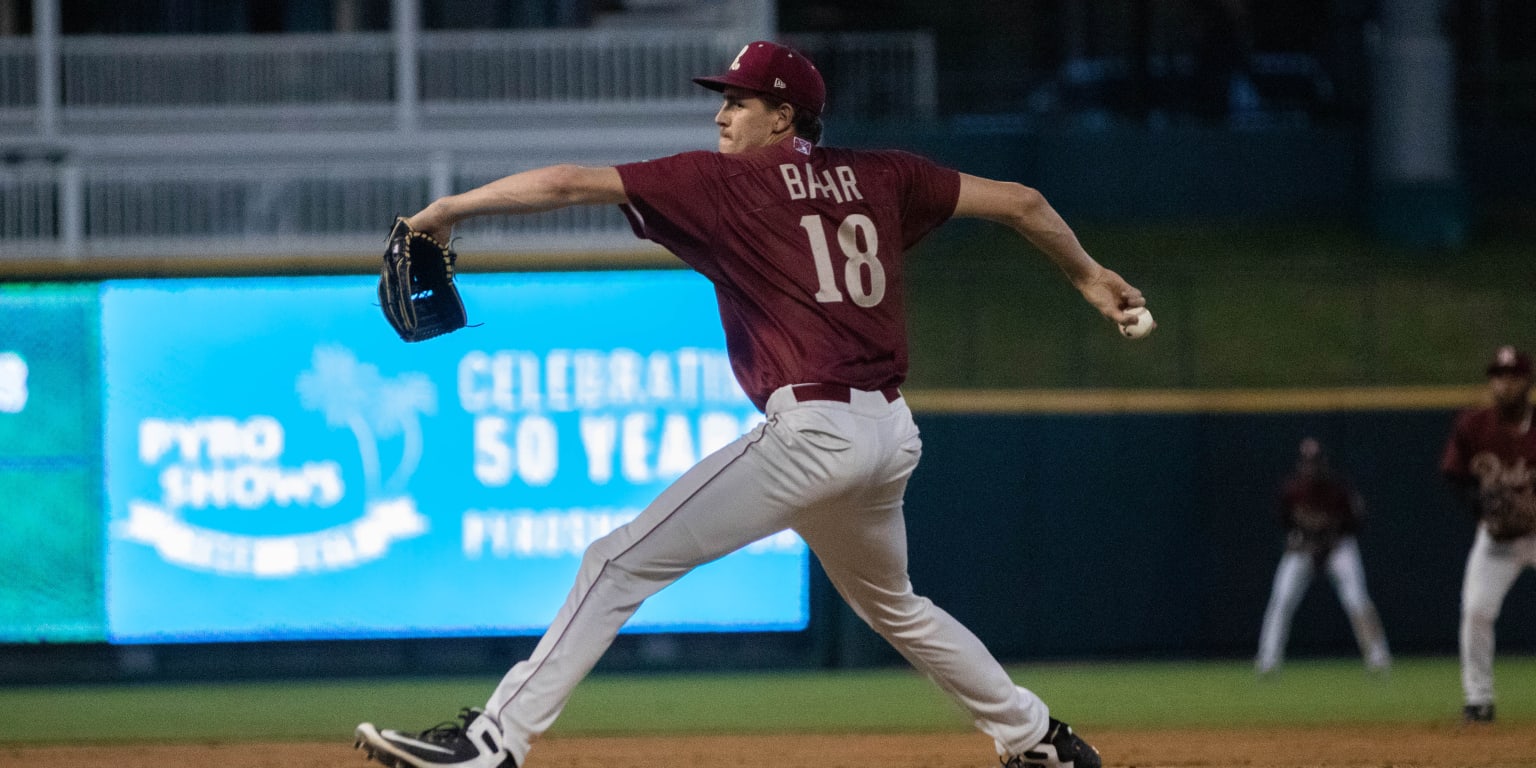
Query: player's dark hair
x=807, y=124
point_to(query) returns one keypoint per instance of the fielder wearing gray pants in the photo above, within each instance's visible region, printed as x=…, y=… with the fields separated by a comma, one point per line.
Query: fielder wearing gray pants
x=833, y=472
x=1492, y=567
x=1292, y=577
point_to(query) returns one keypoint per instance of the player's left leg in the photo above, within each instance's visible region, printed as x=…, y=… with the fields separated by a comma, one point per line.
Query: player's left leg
x=1347, y=571
x=1492, y=568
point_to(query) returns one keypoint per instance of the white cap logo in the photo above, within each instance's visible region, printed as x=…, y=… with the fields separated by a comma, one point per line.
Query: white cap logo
x=777, y=83
x=736, y=62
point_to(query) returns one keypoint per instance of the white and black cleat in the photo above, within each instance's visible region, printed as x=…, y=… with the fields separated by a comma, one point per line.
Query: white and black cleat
x=1061, y=748
x=474, y=742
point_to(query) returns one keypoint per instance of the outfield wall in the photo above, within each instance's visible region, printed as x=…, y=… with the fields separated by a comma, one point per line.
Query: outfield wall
x=1059, y=535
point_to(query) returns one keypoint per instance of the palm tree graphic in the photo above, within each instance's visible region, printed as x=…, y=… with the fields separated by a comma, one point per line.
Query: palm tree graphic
x=354, y=395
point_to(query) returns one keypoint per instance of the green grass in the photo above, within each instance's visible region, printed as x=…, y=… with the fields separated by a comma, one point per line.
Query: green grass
x=1099, y=695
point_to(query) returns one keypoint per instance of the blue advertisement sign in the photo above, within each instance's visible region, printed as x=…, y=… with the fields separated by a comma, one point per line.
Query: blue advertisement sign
x=281, y=466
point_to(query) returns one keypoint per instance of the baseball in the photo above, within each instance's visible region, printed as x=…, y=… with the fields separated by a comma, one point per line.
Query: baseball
x=1141, y=327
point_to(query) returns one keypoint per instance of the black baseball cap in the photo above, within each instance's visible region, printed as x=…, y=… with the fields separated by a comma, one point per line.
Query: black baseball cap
x=1507, y=359
x=778, y=70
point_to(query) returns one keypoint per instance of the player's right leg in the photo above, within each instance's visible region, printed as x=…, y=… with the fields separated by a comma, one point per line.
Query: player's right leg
x=939, y=646
x=1292, y=576
x=862, y=546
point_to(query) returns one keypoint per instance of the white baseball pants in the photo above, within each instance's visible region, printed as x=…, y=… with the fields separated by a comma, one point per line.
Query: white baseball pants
x=1492, y=567
x=1292, y=577
x=833, y=472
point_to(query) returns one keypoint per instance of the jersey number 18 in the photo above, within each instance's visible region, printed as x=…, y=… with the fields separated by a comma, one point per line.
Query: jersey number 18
x=855, y=229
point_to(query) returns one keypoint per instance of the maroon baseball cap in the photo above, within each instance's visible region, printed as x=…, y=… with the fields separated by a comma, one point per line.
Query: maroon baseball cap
x=1509, y=360
x=776, y=70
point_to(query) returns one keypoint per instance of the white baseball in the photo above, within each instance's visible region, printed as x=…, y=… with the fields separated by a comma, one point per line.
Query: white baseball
x=1141, y=327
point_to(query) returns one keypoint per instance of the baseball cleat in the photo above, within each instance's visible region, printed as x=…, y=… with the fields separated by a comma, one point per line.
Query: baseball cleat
x=1061, y=748
x=474, y=742
x=1477, y=714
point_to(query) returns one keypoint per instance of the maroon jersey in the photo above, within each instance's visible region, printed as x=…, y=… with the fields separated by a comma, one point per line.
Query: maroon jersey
x=1488, y=453
x=804, y=246
x=1319, y=507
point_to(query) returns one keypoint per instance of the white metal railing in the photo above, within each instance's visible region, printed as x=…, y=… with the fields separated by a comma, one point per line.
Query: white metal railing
x=18, y=73
x=150, y=201
x=568, y=66
x=161, y=145
x=175, y=76
x=29, y=209
x=170, y=72
x=188, y=196
x=154, y=211
x=210, y=71
x=211, y=202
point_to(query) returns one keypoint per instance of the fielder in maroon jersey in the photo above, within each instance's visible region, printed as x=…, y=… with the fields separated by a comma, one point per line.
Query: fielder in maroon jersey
x=804, y=246
x=1490, y=457
x=1321, y=514
x=1317, y=507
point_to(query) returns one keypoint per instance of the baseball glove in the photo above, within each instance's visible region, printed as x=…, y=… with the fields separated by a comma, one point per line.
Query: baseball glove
x=1508, y=514
x=416, y=286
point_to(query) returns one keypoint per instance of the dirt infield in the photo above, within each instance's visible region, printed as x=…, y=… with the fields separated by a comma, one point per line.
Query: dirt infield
x=1440, y=746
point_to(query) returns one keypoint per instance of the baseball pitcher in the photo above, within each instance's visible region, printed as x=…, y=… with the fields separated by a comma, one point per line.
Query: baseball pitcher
x=1490, y=458
x=1321, y=515
x=804, y=246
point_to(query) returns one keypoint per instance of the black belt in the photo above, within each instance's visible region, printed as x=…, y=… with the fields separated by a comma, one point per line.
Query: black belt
x=841, y=393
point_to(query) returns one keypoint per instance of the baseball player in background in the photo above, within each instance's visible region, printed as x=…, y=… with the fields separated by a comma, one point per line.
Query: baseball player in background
x=804, y=246
x=1321, y=515
x=1489, y=458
